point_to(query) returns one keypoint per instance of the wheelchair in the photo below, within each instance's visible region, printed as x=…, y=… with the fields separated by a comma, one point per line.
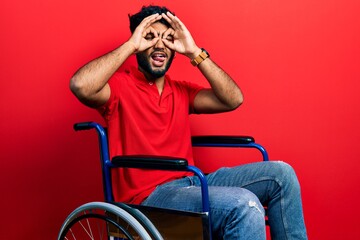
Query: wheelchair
x=115, y=221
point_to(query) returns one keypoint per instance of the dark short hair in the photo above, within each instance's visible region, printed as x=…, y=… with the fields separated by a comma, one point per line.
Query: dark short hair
x=146, y=11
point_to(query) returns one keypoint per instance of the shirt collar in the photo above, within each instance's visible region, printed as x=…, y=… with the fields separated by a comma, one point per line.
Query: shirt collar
x=141, y=79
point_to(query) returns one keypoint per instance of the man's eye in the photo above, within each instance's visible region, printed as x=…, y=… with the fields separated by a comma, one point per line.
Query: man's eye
x=170, y=38
x=149, y=36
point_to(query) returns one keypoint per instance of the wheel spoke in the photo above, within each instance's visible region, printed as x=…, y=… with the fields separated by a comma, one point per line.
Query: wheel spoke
x=92, y=238
x=72, y=234
x=101, y=229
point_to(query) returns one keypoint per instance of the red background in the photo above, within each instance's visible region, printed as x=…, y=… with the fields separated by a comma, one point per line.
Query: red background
x=297, y=62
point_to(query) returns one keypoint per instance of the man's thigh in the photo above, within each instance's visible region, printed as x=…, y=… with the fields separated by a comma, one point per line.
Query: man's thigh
x=261, y=178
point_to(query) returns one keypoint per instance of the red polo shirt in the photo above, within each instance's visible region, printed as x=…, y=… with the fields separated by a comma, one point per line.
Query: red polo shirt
x=142, y=122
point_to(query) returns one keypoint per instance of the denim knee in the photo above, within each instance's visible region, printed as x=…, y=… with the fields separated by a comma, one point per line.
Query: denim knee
x=285, y=174
x=237, y=214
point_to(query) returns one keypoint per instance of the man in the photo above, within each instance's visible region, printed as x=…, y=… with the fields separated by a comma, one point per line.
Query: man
x=147, y=113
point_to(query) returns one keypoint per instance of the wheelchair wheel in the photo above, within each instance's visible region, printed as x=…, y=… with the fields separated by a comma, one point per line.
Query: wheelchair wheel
x=100, y=220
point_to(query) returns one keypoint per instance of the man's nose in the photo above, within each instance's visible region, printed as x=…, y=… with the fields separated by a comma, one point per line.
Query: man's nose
x=160, y=44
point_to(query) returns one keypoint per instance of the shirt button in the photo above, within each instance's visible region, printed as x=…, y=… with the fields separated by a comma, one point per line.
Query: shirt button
x=151, y=83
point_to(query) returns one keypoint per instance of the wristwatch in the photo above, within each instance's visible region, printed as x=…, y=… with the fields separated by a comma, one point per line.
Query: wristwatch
x=201, y=57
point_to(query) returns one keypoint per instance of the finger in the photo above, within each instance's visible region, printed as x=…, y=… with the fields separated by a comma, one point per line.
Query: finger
x=169, y=34
x=150, y=30
x=151, y=17
x=168, y=38
x=175, y=21
x=154, y=41
x=169, y=44
x=166, y=18
x=156, y=34
x=146, y=22
x=149, y=43
x=169, y=20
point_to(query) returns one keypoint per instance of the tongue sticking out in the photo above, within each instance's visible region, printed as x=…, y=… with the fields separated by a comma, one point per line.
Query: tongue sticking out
x=158, y=60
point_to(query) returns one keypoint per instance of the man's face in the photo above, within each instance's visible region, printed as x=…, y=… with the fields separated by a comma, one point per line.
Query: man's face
x=154, y=62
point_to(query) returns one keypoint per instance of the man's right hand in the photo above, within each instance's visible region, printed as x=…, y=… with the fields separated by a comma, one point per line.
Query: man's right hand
x=139, y=39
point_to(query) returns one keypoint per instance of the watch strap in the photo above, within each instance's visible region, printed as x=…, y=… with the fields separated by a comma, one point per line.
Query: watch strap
x=201, y=57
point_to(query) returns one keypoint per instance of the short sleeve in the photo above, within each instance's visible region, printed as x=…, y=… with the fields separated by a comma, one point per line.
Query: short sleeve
x=108, y=108
x=192, y=90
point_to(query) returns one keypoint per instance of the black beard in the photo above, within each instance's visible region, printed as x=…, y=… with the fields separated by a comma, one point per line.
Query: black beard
x=145, y=65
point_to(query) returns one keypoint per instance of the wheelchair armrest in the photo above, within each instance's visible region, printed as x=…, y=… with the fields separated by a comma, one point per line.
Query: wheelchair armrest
x=229, y=141
x=150, y=162
x=84, y=126
x=221, y=139
x=164, y=163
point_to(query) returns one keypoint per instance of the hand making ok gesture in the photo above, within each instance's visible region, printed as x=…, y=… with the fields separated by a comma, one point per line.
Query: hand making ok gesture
x=182, y=40
x=138, y=38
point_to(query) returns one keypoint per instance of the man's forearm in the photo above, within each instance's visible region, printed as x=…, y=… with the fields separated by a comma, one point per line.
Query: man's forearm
x=223, y=86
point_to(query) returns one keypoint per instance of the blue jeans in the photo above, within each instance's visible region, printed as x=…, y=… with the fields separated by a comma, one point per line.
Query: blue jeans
x=236, y=198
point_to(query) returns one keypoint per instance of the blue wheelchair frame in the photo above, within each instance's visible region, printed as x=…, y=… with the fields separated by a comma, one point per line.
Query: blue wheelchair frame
x=165, y=163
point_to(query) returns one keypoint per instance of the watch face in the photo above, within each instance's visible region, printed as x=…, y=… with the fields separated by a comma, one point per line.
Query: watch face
x=208, y=55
